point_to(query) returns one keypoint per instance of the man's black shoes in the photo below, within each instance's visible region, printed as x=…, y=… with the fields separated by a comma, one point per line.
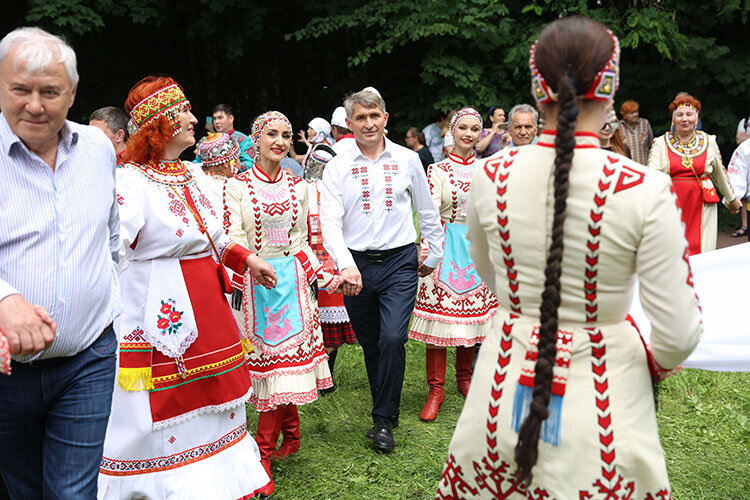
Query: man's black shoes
x=383, y=440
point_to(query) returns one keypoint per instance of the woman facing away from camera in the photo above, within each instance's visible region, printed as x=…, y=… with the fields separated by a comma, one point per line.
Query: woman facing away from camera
x=561, y=403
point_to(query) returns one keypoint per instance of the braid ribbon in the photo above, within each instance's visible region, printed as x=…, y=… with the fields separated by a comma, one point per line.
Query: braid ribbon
x=539, y=407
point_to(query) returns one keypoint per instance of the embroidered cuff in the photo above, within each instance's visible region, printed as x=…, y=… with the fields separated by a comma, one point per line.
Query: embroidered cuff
x=656, y=369
x=234, y=257
x=238, y=281
x=310, y=273
x=4, y=355
x=432, y=261
x=333, y=284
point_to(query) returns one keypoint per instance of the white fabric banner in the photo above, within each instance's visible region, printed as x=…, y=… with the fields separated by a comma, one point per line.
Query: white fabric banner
x=722, y=280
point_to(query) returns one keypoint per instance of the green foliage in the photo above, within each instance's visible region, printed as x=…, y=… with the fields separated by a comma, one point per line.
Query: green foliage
x=80, y=16
x=424, y=57
x=475, y=52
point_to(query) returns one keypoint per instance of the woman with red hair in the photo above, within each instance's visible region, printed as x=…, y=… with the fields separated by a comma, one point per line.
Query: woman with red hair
x=693, y=160
x=636, y=131
x=177, y=428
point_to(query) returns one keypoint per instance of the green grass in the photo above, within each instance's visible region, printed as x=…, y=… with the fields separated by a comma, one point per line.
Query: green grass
x=703, y=418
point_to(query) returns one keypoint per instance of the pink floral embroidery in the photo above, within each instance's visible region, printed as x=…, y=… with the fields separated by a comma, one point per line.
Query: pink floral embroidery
x=177, y=208
x=389, y=171
x=170, y=322
x=179, y=233
x=4, y=355
x=120, y=199
x=360, y=173
x=204, y=201
x=274, y=331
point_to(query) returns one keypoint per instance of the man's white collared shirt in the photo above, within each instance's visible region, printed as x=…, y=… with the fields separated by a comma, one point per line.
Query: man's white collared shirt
x=367, y=204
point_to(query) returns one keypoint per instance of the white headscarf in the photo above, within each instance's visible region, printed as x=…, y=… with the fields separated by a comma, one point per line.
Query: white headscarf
x=322, y=131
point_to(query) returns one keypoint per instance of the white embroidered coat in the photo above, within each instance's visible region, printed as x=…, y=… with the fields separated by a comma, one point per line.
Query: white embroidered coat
x=621, y=221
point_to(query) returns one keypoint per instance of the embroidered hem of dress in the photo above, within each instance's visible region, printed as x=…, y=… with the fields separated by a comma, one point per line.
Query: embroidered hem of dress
x=128, y=468
x=296, y=341
x=295, y=398
x=452, y=292
x=335, y=314
x=455, y=320
x=295, y=370
x=444, y=341
x=202, y=411
x=152, y=339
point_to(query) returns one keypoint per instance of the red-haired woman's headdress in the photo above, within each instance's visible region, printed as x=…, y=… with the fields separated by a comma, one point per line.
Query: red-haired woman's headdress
x=603, y=87
x=168, y=101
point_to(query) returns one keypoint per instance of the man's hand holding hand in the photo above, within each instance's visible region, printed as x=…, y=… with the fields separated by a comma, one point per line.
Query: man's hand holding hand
x=28, y=328
x=424, y=270
x=352, y=281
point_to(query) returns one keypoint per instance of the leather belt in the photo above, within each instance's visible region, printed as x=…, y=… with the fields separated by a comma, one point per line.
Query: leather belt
x=377, y=256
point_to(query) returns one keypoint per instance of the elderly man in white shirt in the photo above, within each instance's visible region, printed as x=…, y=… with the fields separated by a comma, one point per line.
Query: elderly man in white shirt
x=367, y=196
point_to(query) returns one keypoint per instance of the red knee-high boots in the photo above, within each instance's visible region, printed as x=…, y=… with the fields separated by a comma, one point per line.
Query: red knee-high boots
x=435, y=380
x=290, y=431
x=464, y=360
x=269, y=427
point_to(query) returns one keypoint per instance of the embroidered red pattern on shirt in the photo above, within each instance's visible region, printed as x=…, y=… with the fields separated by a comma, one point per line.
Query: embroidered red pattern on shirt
x=389, y=171
x=360, y=173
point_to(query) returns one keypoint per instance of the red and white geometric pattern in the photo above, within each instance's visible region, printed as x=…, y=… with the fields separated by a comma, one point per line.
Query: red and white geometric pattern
x=592, y=243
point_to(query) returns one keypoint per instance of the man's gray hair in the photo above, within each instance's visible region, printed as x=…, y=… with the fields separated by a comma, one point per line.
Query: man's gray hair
x=365, y=98
x=39, y=49
x=523, y=108
x=115, y=118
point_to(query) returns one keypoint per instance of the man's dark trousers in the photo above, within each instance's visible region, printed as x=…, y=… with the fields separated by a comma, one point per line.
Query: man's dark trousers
x=380, y=316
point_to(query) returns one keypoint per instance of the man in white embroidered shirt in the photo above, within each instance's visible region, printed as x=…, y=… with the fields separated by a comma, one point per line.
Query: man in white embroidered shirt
x=367, y=196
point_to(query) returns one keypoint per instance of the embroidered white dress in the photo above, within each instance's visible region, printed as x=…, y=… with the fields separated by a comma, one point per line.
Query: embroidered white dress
x=453, y=306
x=179, y=430
x=269, y=216
x=601, y=440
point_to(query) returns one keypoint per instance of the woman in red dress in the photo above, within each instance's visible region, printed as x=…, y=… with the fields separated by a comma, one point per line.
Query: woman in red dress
x=692, y=159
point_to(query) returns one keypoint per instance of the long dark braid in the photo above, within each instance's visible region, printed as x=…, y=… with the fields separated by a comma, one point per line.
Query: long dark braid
x=528, y=436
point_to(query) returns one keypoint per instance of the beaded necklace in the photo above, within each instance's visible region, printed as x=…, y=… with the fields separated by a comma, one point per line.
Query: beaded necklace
x=171, y=172
x=694, y=147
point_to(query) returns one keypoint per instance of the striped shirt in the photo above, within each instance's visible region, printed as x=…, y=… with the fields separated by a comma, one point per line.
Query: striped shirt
x=638, y=138
x=59, y=233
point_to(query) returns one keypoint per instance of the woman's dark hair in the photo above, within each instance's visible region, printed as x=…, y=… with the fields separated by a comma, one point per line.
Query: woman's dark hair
x=491, y=112
x=570, y=53
x=418, y=134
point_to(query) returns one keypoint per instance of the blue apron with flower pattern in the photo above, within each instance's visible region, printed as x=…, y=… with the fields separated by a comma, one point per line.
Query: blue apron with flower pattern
x=456, y=272
x=277, y=312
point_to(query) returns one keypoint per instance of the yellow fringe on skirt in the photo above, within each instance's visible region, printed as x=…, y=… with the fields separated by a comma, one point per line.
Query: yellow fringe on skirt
x=135, y=379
